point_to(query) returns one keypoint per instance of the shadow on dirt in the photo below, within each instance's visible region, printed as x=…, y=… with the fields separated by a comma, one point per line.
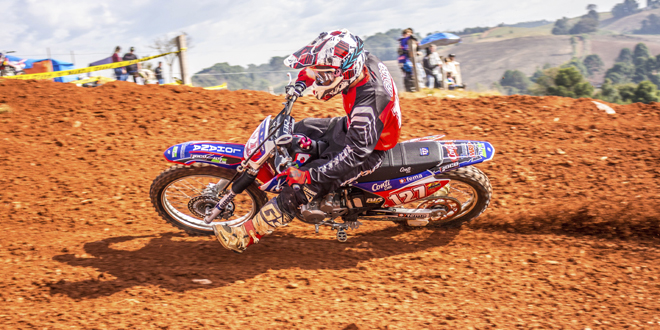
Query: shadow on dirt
x=172, y=264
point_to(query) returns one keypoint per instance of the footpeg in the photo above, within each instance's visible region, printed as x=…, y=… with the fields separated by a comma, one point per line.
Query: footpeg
x=342, y=236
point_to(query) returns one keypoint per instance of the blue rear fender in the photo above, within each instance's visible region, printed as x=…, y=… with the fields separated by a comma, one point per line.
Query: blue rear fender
x=223, y=154
x=461, y=153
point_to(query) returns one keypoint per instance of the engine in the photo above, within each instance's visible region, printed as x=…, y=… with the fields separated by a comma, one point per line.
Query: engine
x=347, y=203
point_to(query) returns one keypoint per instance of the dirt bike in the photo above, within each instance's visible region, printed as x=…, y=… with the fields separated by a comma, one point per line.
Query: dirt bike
x=424, y=182
x=10, y=68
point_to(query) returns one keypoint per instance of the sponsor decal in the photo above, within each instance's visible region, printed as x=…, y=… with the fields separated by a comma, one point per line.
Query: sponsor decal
x=412, y=215
x=212, y=148
x=405, y=170
x=302, y=158
x=452, y=151
x=174, y=151
x=472, y=152
x=423, y=151
x=433, y=184
x=385, y=185
x=221, y=160
x=374, y=200
x=387, y=79
x=448, y=166
x=411, y=178
x=482, y=149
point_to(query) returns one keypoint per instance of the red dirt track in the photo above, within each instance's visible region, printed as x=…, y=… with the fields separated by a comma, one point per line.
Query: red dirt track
x=569, y=241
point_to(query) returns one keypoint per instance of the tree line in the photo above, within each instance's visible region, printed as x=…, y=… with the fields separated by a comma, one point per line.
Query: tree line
x=634, y=77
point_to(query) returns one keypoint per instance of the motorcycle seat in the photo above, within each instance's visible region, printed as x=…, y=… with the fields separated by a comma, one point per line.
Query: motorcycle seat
x=405, y=159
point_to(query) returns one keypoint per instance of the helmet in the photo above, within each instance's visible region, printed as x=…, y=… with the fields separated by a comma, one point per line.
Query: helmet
x=334, y=60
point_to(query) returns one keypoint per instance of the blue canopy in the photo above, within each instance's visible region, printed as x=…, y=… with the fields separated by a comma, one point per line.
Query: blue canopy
x=440, y=39
x=57, y=66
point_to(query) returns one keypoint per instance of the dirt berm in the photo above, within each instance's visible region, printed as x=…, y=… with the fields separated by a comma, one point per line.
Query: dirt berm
x=569, y=242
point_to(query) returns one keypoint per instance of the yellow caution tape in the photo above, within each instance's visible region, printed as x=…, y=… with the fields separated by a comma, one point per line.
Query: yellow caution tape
x=51, y=75
x=215, y=88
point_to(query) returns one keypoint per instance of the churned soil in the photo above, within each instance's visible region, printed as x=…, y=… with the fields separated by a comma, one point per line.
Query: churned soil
x=569, y=241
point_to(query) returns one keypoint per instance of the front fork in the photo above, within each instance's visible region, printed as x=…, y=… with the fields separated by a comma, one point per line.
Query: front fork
x=242, y=183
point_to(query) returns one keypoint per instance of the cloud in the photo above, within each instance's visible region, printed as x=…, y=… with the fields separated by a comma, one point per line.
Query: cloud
x=242, y=32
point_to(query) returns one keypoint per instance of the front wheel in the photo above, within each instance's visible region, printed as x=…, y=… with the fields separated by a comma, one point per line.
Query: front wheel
x=183, y=194
x=465, y=197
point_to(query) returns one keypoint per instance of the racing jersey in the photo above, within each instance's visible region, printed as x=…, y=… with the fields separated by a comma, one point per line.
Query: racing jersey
x=373, y=120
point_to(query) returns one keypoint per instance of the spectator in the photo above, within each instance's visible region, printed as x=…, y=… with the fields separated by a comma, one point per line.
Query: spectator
x=159, y=73
x=451, y=65
x=120, y=73
x=432, y=64
x=132, y=70
x=404, y=59
x=451, y=82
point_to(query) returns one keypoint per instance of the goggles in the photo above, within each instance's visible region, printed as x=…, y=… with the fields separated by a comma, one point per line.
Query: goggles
x=324, y=75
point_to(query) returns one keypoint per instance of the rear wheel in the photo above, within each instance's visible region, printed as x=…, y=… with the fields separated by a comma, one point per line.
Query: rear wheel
x=183, y=194
x=464, y=198
x=8, y=71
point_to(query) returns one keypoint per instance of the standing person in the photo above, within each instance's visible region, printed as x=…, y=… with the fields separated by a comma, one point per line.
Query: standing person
x=120, y=73
x=132, y=70
x=404, y=59
x=159, y=73
x=432, y=64
x=451, y=65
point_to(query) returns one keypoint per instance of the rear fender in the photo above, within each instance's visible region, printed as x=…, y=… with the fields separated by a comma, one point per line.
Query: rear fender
x=461, y=153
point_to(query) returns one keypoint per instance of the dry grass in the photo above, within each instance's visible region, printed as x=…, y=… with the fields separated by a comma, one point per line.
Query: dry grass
x=455, y=94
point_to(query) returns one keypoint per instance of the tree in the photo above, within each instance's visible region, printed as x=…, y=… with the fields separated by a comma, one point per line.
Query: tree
x=646, y=92
x=625, y=56
x=651, y=25
x=576, y=63
x=586, y=24
x=620, y=73
x=627, y=7
x=516, y=81
x=570, y=83
x=383, y=46
x=165, y=44
x=561, y=26
x=627, y=92
x=594, y=64
x=544, y=81
x=608, y=93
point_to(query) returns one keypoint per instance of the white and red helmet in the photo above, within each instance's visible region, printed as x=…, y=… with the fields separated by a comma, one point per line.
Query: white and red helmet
x=334, y=60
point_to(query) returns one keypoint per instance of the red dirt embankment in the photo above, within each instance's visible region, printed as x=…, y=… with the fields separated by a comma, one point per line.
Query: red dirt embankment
x=568, y=242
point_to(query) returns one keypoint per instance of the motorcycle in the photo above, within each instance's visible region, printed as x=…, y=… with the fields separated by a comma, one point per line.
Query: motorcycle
x=423, y=182
x=10, y=68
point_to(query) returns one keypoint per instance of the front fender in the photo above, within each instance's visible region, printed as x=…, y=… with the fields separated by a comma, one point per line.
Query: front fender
x=223, y=154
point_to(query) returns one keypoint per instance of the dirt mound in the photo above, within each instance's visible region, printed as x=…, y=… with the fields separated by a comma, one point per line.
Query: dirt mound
x=81, y=245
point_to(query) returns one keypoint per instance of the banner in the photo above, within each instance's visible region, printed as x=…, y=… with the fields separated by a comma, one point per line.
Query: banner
x=51, y=75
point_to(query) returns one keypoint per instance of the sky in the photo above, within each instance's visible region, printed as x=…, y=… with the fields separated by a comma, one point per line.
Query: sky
x=247, y=31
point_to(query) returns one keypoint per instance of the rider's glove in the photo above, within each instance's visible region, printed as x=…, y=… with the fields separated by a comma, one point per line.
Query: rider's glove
x=296, y=89
x=296, y=176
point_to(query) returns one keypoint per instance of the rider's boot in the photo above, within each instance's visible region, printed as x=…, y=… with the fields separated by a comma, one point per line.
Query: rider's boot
x=237, y=239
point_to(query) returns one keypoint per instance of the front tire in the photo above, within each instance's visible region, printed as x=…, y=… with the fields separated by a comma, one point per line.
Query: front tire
x=180, y=195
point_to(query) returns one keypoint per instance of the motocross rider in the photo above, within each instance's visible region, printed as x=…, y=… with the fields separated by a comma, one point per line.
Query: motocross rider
x=335, y=62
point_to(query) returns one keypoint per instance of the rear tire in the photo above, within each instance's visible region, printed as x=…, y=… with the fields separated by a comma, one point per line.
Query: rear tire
x=479, y=182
